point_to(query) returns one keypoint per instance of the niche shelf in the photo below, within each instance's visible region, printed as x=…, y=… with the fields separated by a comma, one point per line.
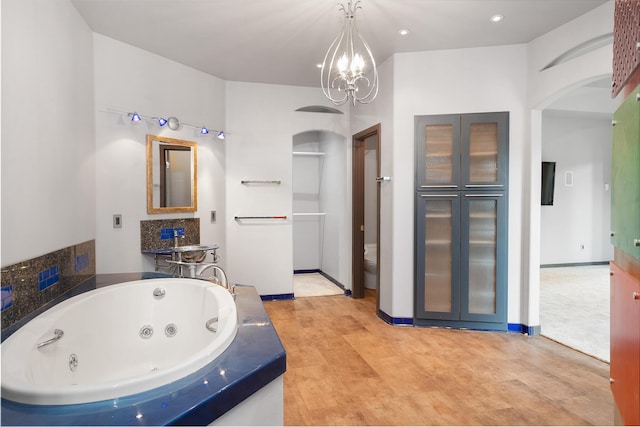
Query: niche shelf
x=261, y=181
x=308, y=153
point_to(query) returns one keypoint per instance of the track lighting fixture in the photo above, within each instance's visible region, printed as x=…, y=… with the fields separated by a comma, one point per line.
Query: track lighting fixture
x=172, y=123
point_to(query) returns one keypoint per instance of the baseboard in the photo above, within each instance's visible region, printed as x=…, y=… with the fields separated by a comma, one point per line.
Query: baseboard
x=404, y=321
x=524, y=329
x=313, y=270
x=277, y=297
x=575, y=264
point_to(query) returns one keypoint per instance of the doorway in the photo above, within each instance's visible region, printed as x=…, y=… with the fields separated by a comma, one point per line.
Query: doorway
x=574, y=223
x=366, y=212
x=320, y=213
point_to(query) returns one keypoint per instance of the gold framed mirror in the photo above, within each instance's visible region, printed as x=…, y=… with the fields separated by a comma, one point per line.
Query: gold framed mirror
x=172, y=175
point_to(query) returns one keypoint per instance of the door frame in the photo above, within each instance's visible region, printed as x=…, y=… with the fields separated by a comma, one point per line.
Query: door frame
x=357, y=209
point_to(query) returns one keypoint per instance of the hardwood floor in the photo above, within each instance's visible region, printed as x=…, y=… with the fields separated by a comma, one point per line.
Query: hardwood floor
x=345, y=366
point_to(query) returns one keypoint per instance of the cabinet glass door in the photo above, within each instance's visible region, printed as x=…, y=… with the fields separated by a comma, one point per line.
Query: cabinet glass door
x=438, y=153
x=484, y=254
x=484, y=150
x=438, y=253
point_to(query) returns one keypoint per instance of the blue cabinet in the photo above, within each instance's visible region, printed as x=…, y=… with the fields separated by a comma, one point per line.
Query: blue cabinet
x=461, y=221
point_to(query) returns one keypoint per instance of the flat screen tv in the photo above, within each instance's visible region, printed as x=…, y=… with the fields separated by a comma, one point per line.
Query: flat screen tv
x=548, y=181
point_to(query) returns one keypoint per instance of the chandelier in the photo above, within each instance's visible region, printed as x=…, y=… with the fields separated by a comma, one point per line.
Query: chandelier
x=349, y=71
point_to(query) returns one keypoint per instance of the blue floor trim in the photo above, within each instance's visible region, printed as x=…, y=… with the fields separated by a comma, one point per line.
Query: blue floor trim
x=575, y=264
x=276, y=297
x=524, y=329
x=395, y=320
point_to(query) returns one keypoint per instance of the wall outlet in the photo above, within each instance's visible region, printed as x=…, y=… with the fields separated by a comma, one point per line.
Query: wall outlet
x=213, y=216
x=117, y=220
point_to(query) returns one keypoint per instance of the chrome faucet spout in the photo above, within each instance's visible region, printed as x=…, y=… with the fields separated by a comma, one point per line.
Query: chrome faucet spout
x=176, y=236
x=225, y=281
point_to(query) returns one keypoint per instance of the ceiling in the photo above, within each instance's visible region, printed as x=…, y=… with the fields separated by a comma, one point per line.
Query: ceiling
x=281, y=41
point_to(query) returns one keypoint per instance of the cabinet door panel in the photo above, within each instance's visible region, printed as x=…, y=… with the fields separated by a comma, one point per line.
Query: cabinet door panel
x=625, y=344
x=437, y=253
x=484, y=150
x=437, y=152
x=483, y=242
x=625, y=177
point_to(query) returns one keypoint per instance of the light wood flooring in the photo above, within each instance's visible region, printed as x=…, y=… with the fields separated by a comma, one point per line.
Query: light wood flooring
x=345, y=366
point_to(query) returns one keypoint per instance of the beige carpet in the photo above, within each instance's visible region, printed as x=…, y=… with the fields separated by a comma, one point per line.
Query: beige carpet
x=313, y=285
x=574, y=307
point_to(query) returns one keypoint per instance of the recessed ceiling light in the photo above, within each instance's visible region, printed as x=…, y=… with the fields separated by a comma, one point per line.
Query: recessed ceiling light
x=319, y=65
x=496, y=18
x=403, y=32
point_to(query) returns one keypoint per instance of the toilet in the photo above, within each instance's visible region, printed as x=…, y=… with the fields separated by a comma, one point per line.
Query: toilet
x=370, y=266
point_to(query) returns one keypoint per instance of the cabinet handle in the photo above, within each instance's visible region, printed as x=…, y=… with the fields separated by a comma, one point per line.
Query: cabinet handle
x=636, y=296
x=483, y=195
x=611, y=381
x=439, y=186
x=438, y=195
x=484, y=185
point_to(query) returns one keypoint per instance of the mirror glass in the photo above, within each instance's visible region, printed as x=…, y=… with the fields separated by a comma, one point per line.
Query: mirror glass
x=171, y=175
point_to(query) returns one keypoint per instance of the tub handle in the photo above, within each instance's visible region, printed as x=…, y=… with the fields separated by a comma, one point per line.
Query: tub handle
x=58, y=333
x=209, y=324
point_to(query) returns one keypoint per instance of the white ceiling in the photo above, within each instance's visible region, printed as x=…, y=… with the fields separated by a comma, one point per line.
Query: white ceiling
x=281, y=41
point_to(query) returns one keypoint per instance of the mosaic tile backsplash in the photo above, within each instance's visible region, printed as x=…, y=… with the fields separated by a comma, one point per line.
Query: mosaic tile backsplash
x=158, y=233
x=30, y=284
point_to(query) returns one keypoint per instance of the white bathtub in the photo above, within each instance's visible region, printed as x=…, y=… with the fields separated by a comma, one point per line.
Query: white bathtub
x=106, y=335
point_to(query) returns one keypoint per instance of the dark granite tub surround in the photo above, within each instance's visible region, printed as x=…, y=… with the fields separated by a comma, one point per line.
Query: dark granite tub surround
x=33, y=283
x=158, y=233
x=252, y=361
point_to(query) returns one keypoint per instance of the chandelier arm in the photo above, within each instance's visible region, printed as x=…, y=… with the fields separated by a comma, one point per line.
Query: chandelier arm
x=373, y=88
x=333, y=52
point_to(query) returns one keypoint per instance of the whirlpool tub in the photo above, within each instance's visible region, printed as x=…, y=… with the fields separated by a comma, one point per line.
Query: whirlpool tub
x=117, y=341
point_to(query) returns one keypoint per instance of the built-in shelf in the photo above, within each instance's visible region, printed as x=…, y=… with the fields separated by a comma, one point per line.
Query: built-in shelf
x=309, y=214
x=308, y=153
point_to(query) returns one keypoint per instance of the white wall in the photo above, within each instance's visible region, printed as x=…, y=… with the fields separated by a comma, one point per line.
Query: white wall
x=48, y=179
x=576, y=227
x=262, y=122
x=131, y=79
x=363, y=117
x=335, y=201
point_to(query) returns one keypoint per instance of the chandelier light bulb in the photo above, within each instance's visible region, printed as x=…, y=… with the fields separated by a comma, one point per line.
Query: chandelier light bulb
x=349, y=70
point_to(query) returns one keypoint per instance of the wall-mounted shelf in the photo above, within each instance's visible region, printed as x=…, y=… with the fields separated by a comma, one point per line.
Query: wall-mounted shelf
x=259, y=181
x=237, y=218
x=308, y=153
